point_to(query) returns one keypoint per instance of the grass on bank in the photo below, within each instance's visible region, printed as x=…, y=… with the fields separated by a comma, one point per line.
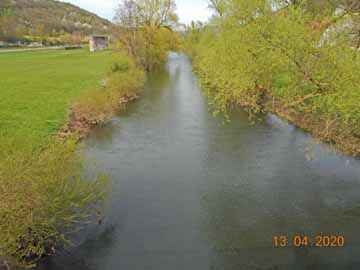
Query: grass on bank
x=37, y=88
x=44, y=195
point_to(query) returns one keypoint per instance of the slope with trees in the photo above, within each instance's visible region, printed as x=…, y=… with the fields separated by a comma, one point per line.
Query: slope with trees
x=26, y=19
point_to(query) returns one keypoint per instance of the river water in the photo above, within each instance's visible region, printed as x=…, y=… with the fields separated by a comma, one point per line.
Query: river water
x=191, y=192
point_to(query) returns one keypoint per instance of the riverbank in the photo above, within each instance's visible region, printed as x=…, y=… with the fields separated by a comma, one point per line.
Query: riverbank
x=290, y=62
x=38, y=88
x=41, y=92
x=45, y=195
x=339, y=136
x=98, y=106
x=331, y=129
x=81, y=123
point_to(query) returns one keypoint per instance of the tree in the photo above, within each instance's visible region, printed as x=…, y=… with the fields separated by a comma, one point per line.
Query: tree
x=7, y=28
x=144, y=29
x=352, y=5
x=127, y=15
x=218, y=6
x=315, y=7
x=158, y=13
x=140, y=13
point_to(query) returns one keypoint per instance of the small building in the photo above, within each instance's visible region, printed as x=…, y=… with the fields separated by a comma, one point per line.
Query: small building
x=99, y=43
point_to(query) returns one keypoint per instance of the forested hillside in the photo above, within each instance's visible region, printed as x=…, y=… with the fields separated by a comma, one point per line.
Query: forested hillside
x=26, y=19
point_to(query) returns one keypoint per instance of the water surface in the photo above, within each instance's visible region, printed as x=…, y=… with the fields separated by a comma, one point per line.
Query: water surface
x=192, y=193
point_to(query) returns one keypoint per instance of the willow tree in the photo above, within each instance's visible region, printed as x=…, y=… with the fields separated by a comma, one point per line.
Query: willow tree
x=218, y=6
x=144, y=28
x=281, y=53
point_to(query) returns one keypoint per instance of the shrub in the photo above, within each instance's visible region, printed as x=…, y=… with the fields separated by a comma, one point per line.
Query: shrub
x=44, y=198
x=127, y=84
x=120, y=67
x=99, y=105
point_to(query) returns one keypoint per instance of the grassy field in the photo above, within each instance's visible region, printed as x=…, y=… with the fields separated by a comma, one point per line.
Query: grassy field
x=37, y=88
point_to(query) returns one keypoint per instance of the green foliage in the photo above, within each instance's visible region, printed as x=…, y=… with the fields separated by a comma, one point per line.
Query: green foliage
x=44, y=197
x=144, y=30
x=256, y=55
x=149, y=45
x=122, y=84
x=129, y=83
x=157, y=42
x=193, y=36
x=116, y=67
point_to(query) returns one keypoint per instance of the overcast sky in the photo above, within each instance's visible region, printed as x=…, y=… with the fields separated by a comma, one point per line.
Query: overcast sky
x=187, y=10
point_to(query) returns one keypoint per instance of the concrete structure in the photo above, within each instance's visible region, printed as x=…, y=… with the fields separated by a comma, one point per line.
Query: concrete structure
x=99, y=43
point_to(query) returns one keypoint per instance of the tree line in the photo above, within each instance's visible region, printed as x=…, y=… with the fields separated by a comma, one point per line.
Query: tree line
x=296, y=58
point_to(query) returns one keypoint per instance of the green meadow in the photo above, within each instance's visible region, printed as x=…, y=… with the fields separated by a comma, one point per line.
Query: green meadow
x=38, y=88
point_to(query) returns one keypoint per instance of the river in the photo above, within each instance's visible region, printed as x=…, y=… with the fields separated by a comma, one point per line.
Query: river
x=191, y=192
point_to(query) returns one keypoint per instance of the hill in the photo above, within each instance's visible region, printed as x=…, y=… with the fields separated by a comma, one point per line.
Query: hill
x=26, y=19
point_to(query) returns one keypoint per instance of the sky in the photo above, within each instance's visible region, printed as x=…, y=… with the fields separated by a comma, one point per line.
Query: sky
x=188, y=10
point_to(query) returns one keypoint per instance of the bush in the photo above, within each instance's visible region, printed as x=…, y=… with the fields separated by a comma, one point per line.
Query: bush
x=119, y=67
x=99, y=105
x=128, y=84
x=44, y=198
